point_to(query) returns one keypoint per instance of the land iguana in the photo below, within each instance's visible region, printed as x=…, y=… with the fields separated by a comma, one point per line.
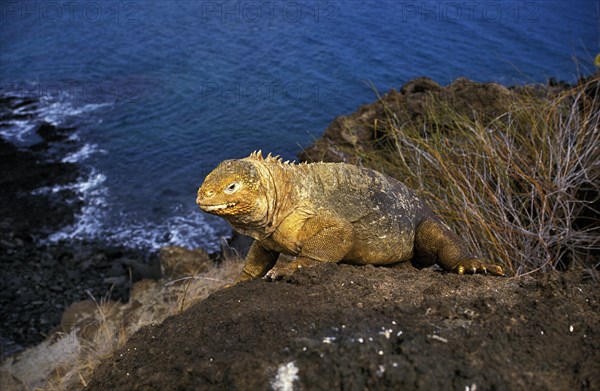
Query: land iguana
x=328, y=212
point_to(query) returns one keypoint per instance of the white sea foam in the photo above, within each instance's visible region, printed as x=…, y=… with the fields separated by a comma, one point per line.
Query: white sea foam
x=57, y=113
x=86, y=186
x=57, y=110
x=96, y=222
x=185, y=231
x=92, y=191
x=83, y=153
x=17, y=130
x=89, y=222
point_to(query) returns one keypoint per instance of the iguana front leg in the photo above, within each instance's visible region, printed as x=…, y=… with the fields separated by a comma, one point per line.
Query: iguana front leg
x=258, y=262
x=323, y=238
x=285, y=271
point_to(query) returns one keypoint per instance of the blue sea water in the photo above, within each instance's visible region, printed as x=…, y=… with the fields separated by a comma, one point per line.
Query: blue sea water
x=161, y=91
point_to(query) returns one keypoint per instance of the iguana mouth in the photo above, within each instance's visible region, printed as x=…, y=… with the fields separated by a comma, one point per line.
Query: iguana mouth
x=211, y=208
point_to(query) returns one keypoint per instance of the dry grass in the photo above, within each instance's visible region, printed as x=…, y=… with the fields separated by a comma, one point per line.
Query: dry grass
x=68, y=360
x=523, y=187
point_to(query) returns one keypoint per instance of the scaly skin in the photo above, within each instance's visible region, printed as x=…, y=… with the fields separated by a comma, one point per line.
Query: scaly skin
x=329, y=212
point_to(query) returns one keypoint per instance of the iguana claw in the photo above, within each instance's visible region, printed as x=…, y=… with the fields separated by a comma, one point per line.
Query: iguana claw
x=474, y=266
x=278, y=273
x=273, y=275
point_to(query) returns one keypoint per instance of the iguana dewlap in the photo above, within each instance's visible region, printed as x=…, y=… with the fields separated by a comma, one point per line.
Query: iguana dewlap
x=328, y=212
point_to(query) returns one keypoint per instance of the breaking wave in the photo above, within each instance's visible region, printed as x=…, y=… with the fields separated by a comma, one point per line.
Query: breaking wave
x=97, y=220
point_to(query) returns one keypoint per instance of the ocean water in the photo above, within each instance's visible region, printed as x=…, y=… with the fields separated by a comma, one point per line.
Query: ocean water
x=161, y=91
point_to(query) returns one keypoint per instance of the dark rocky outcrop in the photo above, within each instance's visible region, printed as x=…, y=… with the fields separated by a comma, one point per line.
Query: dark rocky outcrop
x=341, y=327
x=362, y=128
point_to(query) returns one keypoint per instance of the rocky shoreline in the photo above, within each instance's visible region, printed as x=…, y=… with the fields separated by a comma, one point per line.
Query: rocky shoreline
x=40, y=278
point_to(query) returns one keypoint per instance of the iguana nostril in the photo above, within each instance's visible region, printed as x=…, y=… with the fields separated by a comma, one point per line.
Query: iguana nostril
x=203, y=195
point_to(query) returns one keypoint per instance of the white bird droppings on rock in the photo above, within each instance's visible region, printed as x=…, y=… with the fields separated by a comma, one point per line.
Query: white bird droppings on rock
x=286, y=375
x=438, y=338
x=386, y=333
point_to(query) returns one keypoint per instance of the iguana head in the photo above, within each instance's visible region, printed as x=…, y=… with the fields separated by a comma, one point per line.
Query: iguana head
x=234, y=191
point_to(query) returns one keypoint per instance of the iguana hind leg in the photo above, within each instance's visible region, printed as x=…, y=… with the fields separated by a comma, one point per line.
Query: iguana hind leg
x=436, y=243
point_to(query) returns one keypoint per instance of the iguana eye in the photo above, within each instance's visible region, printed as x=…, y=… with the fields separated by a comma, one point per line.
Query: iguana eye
x=232, y=188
